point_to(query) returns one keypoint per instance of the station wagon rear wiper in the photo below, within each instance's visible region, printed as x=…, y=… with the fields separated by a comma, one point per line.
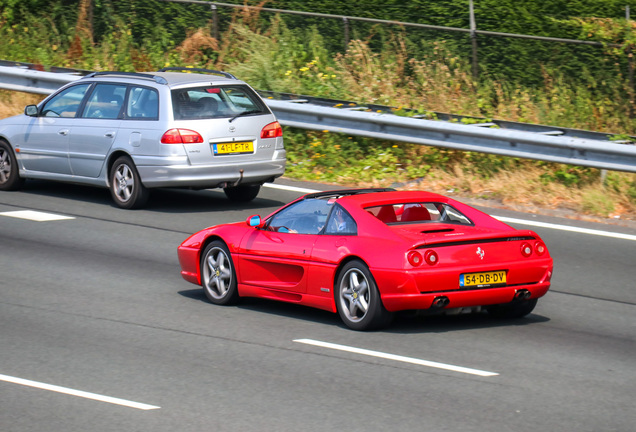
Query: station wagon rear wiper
x=244, y=113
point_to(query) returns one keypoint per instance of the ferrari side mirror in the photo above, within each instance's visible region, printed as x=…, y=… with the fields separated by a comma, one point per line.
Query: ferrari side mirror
x=254, y=220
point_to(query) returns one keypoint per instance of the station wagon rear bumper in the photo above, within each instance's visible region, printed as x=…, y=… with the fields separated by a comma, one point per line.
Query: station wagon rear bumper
x=210, y=176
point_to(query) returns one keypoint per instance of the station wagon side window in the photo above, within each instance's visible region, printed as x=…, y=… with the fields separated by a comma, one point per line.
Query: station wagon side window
x=105, y=101
x=65, y=103
x=143, y=103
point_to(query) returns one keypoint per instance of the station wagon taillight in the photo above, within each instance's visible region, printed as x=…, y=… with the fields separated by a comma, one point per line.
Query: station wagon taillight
x=272, y=130
x=181, y=136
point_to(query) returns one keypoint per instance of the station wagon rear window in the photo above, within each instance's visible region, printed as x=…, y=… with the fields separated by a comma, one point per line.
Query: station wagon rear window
x=418, y=213
x=216, y=102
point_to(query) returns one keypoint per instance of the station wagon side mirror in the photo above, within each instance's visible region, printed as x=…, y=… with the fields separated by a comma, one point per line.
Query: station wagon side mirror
x=31, y=110
x=254, y=220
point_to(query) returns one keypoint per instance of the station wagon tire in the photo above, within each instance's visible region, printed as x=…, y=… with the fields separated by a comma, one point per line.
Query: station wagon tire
x=358, y=299
x=242, y=193
x=125, y=184
x=515, y=309
x=9, y=176
x=218, y=277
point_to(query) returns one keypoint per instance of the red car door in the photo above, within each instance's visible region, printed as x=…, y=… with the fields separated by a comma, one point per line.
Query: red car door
x=275, y=260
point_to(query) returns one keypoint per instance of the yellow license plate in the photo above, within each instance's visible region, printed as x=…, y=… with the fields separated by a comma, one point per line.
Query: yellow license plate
x=482, y=279
x=233, y=148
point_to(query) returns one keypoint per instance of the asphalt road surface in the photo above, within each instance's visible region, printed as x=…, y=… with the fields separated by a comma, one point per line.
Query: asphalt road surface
x=99, y=332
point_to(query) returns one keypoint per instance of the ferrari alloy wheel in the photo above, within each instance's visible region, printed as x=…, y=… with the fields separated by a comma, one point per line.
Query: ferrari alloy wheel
x=9, y=177
x=358, y=299
x=242, y=193
x=218, y=277
x=125, y=185
x=515, y=309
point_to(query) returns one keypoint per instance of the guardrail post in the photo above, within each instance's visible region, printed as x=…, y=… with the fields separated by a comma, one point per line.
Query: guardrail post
x=345, y=22
x=215, y=22
x=630, y=67
x=473, y=39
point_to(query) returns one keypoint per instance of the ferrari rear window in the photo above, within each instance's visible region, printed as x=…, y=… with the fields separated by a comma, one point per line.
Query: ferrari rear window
x=418, y=213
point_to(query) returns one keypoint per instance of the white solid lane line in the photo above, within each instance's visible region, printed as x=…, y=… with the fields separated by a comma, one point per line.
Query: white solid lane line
x=290, y=188
x=566, y=228
x=501, y=218
x=397, y=357
x=35, y=215
x=77, y=393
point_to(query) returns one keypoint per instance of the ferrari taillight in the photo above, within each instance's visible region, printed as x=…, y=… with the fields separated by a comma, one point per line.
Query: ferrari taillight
x=414, y=258
x=540, y=248
x=431, y=257
x=181, y=136
x=272, y=130
x=526, y=249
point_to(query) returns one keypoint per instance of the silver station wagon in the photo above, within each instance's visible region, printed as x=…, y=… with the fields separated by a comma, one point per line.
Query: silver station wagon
x=131, y=132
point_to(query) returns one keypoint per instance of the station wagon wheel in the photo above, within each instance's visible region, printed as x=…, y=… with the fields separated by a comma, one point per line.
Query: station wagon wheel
x=218, y=277
x=9, y=177
x=125, y=185
x=515, y=309
x=242, y=193
x=358, y=299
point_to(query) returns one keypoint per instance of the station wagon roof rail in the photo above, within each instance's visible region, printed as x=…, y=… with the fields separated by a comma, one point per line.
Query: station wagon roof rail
x=202, y=70
x=158, y=79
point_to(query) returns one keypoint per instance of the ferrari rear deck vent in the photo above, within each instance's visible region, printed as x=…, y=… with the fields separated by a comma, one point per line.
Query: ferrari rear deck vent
x=438, y=230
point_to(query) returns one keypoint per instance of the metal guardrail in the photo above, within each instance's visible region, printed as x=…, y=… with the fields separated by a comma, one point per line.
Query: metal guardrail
x=24, y=78
x=510, y=139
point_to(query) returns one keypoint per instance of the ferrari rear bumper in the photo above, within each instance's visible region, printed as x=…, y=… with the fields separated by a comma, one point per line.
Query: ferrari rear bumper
x=481, y=297
x=418, y=289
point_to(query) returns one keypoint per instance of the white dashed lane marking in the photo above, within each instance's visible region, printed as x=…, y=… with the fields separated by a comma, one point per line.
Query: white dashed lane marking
x=399, y=358
x=35, y=215
x=78, y=393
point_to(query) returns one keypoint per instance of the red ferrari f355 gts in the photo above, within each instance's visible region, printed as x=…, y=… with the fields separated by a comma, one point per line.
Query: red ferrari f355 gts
x=368, y=253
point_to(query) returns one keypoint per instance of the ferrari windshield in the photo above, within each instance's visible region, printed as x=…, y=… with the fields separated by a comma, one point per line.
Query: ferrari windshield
x=418, y=213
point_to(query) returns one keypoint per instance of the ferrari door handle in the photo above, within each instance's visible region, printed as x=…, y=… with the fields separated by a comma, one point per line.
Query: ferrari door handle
x=63, y=132
x=109, y=134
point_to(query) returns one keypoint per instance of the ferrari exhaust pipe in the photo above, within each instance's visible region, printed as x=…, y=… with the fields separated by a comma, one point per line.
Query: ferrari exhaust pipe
x=440, y=302
x=523, y=294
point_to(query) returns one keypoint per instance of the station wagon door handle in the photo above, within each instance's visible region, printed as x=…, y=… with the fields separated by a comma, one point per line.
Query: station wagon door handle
x=63, y=132
x=109, y=134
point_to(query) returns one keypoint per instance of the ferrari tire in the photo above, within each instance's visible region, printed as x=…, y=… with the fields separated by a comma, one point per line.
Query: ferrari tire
x=9, y=176
x=218, y=277
x=242, y=193
x=125, y=185
x=358, y=299
x=515, y=309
